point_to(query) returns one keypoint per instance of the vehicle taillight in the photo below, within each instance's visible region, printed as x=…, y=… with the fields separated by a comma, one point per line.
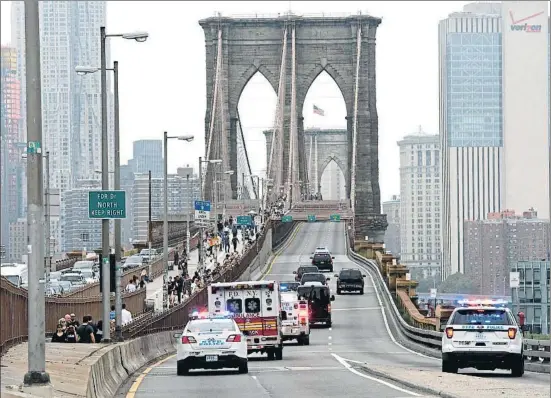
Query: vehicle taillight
x=188, y=340
x=303, y=321
x=303, y=306
x=328, y=307
x=512, y=333
x=234, y=338
x=449, y=333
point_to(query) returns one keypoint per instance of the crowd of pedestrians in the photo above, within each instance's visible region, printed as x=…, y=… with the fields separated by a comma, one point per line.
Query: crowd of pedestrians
x=70, y=330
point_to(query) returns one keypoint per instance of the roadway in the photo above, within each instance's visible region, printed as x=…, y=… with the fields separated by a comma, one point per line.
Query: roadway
x=328, y=366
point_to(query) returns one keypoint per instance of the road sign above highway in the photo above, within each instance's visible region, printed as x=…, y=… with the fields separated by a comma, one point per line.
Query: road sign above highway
x=107, y=204
x=335, y=217
x=203, y=205
x=311, y=217
x=244, y=220
x=287, y=219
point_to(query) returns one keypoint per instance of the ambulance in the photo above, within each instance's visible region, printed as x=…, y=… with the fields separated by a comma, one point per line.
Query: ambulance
x=297, y=325
x=256, y=308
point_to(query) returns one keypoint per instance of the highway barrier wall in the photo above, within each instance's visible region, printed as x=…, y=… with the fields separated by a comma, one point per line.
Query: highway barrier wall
x=281, y=231
x=421, y=333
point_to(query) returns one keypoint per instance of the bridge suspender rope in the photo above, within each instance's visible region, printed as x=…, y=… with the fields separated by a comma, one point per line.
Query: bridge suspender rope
x=276, y=152
x=293, y=184
x=209, y=154
x=355, y=124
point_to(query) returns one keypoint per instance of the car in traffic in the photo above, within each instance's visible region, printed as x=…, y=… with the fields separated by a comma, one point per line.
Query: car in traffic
x=211, y=342
x=310, y=277
x=303, y=269
x=76, y=279
x=324, y=261
x=321, y=249
x=132, y=262
x=350, y=280
x=319, y=303
x=148, y=255
x=482, y=336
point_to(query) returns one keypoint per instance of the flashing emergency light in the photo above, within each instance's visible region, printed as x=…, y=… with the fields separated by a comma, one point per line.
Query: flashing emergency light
x=482, y=303
x=244, y=286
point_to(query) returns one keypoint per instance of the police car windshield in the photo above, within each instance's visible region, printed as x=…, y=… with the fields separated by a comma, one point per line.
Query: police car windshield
x=478, y=316
x=219, y=325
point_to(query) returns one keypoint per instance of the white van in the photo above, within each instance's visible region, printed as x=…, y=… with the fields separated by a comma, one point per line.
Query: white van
x=18, y=274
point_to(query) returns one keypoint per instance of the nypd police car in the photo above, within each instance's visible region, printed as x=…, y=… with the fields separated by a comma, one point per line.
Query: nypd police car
x=485, y=336
x=211, y=342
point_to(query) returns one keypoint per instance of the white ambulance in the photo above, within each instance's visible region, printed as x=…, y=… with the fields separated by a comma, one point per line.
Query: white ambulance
x=256, y=308
x=296, y=326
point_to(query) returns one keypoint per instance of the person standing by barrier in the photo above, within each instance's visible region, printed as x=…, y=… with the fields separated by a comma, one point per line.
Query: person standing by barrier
x=235, y=241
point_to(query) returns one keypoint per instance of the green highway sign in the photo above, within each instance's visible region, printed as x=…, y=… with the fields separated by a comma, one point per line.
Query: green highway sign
x=287, y=219
x=107, y=204
x=335, y=217
x=244, y=220
x=311, y=217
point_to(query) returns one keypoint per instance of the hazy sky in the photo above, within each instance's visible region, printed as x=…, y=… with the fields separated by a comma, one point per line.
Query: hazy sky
x=162, y=81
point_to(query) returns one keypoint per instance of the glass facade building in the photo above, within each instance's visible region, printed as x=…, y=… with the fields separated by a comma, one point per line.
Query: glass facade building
x=473, y=102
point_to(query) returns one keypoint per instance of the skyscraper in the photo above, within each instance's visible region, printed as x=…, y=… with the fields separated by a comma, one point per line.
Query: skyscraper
x=71, y=104
x=148, y=155
x=11, y=163
x=420, y=201
x=471, y=125
x=492, y=59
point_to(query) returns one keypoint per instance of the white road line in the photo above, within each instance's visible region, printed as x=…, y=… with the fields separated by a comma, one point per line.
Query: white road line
x=344, y=363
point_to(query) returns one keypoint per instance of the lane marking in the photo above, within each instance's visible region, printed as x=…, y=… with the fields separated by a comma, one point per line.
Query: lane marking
x=134, y=388
x=281, y=250
x=348, y=367
x=385, y=320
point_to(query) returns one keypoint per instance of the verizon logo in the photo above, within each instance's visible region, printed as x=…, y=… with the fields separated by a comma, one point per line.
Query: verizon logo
x=522, y=24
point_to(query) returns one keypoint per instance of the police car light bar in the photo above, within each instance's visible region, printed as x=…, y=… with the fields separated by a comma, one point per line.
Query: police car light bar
x=244, y=286
x=206, y=315
x=483, y=303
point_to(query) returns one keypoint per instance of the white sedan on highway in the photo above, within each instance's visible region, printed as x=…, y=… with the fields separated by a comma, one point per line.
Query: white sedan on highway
x=211, y=342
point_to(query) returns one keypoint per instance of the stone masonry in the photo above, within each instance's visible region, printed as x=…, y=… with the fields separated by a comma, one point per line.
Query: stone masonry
x=252, y=45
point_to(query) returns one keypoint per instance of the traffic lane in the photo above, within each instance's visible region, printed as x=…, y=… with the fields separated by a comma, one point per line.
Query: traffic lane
x=399, y=355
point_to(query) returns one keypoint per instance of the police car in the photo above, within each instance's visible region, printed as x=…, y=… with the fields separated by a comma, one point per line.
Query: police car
x=483, y=335
x=211, y=342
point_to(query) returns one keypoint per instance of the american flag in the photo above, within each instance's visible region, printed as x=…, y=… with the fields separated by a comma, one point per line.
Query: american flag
x=319, y=111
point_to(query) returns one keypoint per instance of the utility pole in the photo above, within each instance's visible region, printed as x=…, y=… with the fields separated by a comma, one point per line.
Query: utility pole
x=150, y=227
x=202, y=232
x=106, y=291
x=188, y=216
x=117, y=181
x=36, y=374
x=47, y=218
x=165, y=223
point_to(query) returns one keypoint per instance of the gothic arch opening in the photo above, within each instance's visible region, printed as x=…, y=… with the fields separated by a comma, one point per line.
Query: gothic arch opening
x=256, y=111
x=324, y=108
x=332, y=181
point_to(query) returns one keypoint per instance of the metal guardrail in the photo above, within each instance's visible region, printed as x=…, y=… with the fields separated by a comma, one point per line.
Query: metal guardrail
x=534, y=350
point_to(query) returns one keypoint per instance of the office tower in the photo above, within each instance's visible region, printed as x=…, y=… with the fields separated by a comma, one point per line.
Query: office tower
x=71, y=104
x=11, y=163
x=78, y=231
x=420, y=201
x=148, y=155
x=181, y=194
x=471, y=133
x=487, y=66
x=392, y=235
x=18, y=241
x=494, y=245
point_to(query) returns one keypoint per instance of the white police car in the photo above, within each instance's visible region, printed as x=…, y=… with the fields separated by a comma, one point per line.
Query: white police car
x=485, y=336
x=211, y=342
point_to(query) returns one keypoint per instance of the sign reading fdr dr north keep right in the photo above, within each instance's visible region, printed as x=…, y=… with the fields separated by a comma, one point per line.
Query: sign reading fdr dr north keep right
x=107, y=204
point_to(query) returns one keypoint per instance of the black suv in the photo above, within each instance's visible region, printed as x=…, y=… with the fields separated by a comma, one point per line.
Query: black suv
x=324, y=261
x=350, y=279
x=303, y=269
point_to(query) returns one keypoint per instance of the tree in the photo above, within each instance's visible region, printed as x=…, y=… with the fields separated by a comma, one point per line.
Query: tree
x=458, y=283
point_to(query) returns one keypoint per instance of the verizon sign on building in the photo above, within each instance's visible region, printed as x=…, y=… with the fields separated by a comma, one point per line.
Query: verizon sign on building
x=525, y=40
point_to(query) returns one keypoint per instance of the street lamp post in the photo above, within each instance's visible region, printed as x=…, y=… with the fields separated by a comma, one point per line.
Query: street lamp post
x=187, y=138
x=188, y=214
x=36, y=304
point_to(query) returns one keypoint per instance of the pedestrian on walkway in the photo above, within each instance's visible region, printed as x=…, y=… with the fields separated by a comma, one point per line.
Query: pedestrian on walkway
x=176, y=259
x=235, y=241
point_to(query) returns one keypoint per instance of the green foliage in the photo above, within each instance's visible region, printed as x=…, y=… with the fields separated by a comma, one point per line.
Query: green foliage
x=458, y=283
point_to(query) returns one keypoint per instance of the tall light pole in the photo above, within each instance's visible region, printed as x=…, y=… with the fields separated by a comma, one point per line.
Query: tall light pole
x=84, y=70
x=201, y=162
x=187, y=138
x=139, y=37
x=36, y=305
x=188, y=215
x=549, y=230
